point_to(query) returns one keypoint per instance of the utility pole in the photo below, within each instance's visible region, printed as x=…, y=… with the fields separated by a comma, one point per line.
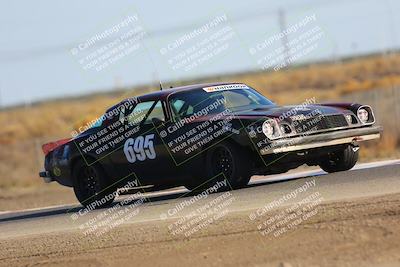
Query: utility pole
x=285, y=41
x=392, y=28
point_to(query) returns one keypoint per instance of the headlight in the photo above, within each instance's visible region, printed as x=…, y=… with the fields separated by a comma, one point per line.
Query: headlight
x=268, y=128
x=349, y=118
x=363, y=115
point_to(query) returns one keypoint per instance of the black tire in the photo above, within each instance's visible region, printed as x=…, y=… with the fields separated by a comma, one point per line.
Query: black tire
x=225, y=160
x=341, y=160
x=91, y=186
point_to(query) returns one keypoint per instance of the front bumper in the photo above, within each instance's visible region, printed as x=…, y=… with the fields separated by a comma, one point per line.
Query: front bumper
x=324, y=139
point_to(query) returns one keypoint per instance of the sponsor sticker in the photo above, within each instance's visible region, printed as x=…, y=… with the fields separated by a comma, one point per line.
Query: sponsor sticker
x=211, y=89
x=298, y=117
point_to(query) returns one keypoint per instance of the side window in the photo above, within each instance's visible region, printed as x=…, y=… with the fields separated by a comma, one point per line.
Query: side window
x=139, y=112
x=157, y=112
x=122, y=114
x=181, y=108
x=146, y=110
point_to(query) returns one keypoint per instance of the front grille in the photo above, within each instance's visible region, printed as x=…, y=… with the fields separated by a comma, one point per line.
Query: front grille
x=320, y=122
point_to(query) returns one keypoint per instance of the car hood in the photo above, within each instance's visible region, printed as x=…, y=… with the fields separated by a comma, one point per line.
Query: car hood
x=287, y=111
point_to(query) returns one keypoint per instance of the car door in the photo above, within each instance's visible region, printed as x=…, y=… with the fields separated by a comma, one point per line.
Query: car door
x=143, y=153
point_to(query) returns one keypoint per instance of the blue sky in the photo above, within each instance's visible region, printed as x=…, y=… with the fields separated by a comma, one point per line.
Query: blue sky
x=37, y=37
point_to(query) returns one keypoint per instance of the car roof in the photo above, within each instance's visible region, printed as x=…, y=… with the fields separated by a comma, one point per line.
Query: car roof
x=163, y=94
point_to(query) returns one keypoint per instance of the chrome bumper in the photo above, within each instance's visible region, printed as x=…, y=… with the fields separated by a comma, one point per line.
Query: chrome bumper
x=320, y=140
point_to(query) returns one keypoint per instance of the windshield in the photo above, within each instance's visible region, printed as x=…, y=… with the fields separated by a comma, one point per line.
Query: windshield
x=187, y=103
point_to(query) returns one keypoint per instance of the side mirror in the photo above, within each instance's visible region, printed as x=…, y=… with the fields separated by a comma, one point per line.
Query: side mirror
x=157, y=122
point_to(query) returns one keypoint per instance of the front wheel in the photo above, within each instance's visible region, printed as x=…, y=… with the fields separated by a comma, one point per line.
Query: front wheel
x=227, y=162
x=91, y=186
x=340, y=160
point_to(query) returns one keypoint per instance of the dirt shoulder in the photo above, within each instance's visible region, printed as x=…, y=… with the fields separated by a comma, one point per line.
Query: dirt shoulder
x=362, y=232
x=35, y=197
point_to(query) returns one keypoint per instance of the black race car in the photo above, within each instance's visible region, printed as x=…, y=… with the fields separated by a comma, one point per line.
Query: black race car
x=200, y=134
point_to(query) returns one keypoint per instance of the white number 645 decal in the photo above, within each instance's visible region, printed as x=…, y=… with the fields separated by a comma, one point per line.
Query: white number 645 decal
x=140, y=148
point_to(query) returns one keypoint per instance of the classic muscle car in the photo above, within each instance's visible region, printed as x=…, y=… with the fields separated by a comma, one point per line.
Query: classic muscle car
x=195, y=135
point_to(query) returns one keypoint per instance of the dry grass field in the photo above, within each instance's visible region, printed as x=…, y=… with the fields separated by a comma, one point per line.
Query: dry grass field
x=372, y=79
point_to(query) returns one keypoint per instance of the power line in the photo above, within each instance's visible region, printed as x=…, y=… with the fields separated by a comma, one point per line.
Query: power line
x=56, y=49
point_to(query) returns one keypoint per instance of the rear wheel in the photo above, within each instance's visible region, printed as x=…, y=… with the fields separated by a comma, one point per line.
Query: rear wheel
x=224, y=161
x=91, y=186
x=341, y=160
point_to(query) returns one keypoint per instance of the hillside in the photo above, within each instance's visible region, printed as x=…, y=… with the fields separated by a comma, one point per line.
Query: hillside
x=24, y=129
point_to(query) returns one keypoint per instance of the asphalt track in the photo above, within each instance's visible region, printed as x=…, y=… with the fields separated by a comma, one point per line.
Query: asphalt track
x=364, y=180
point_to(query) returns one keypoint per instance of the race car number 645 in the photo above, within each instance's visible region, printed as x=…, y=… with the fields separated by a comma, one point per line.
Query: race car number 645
x=140, y=148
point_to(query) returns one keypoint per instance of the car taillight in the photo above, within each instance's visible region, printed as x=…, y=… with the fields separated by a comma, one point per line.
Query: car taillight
x=48, y=147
